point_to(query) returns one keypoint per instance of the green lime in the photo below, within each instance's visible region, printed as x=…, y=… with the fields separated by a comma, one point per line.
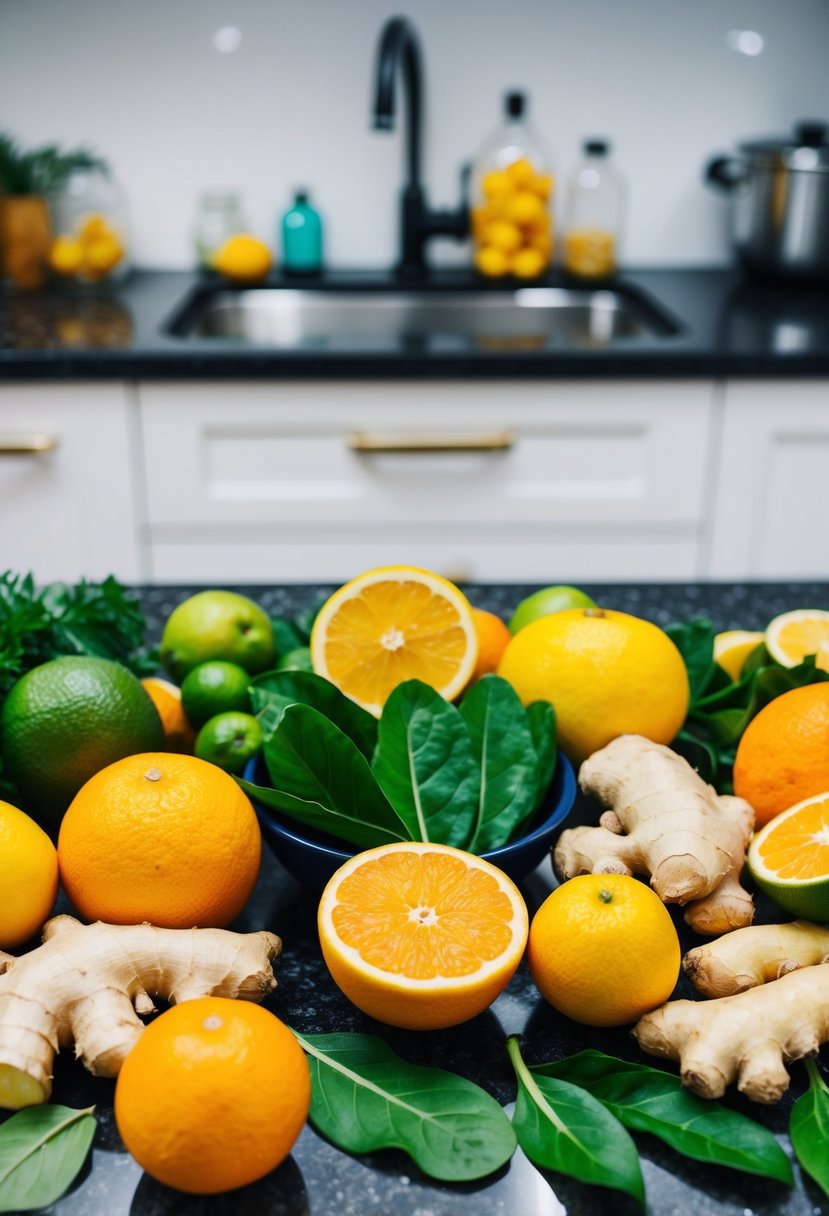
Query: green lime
x=229, y=740
x=546, y=601
x=215, y=687
x=217, y=625
x=296, y=660
x=64, y=721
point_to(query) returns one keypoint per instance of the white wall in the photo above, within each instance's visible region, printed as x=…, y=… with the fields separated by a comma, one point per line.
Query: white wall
x=141, y=82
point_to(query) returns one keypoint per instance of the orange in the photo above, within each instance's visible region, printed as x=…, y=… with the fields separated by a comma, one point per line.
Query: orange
x=783, y=756
x=789, y=859
x=792, y=636
x=162, y=838
x=603, y=949
x=28, y=876
x=393, y=624
x=178, y=733
x=493, y=639
x=213, y=1095
x=421, y=935
x=606, y=674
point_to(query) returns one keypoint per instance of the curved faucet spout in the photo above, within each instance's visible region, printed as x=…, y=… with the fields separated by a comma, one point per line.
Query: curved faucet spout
x=399, y=46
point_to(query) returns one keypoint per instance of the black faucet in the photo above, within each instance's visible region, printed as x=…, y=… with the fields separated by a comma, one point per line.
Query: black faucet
x=399, y=46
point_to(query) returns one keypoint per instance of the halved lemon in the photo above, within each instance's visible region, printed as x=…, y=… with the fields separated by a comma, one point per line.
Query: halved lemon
x=421, y=935
x=789, y=858
x=792, y=636
x=732, y=648
x=393, y=624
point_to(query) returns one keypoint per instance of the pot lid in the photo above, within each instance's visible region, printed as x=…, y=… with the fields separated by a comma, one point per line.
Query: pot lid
x=807, y=148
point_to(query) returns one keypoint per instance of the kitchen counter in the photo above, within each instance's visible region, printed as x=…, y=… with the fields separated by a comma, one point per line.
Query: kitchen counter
x=319, y=1179
x=724, y=326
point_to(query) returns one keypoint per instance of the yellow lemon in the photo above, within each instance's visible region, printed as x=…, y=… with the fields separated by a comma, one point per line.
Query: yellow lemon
x=65, y=255
x=243, y=258
x=103, y=253
x=502, y=235
x=732, y=648
x=521, y=172
x=528, y=263
x=491, y=261
x=28, y=876
x=495, y=183
x=525, y=207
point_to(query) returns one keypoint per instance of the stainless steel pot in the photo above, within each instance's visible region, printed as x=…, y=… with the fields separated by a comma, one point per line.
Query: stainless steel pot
x=780, y=195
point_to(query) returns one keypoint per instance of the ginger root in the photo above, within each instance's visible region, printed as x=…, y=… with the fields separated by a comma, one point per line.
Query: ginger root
x=756, y=955
x=663, y=821
x=88, y=983
x=748, y=1037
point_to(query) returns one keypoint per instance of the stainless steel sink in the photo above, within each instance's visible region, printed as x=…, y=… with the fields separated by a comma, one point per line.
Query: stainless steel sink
x=529, y=318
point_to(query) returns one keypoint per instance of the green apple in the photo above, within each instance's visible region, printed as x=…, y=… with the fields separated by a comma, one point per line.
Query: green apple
x=217, y=625
x=545, y=601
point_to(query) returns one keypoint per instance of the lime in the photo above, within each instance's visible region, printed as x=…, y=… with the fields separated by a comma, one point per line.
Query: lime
x=296, y=660
x=229, y=740
x=546, y=601
x=64, y=721
x=789, y=858
x=217, y=625
x=215, y=687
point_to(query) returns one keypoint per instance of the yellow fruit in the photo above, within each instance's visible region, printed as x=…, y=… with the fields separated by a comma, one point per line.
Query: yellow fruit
x=93, y=226
x=528, y=264
x=421, y=935
x=28, y=876
x=732, y=648
x=493, y=639
x=160, y=837
x=589, y=253
x=503, y=236
x=243, y=258
x=179, y=735
x=525, y=207
x=393, y=624
x=794, y=635
x=102, y=254
x=491, y=262
x=66, y=255
x=521, y=172
x=213, y=1095
x=495, y=184
x=542, y=184
x=603, y=950
x=789, y=859
x=605, y=672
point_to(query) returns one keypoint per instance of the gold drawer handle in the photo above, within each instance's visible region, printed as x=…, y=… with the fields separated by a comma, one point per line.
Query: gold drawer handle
x=27, y=445
x=495, y=441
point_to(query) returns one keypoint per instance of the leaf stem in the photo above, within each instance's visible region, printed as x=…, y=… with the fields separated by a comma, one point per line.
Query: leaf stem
x=816, y=1081
x=526, y=1078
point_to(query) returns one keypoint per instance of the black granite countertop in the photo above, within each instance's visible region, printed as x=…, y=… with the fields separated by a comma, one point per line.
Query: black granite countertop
x=717, y=323
x=319, y=1180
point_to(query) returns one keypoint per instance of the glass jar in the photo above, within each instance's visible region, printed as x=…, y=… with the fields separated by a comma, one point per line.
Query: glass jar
x=218, y=216
x=593, y=215
x=512, y=194
x=90, y=229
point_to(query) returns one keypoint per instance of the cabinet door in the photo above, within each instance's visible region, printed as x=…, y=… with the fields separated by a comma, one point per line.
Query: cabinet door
x=66, y=482
x=772, y=500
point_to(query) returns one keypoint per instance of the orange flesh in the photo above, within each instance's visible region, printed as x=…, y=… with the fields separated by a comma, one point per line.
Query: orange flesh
x=423, y=916
x=799, y=849
x=801, y=638
x=391, y=632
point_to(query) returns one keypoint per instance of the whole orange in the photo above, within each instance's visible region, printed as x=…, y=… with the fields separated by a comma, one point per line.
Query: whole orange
x=178, y=733
x=606, y=674
x=493, y=639
x=603, y=949
x=783, y=756
x=162, y=838
x=213, y=1095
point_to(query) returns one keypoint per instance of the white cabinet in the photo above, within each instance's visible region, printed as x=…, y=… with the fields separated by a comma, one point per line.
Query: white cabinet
x=542, y=481
x=772, y=500
x=67, y=491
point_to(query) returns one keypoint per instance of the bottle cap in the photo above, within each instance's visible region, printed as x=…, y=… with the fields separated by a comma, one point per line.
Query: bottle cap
x=515, y=103
x=300, y=198
x=596, y=147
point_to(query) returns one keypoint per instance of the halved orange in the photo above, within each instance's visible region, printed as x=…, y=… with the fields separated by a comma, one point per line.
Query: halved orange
x=421, y=935
x=393, y=624
x=789, y=858
x=792, y=636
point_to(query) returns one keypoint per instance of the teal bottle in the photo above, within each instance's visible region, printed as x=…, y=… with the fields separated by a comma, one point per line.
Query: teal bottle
x=301, y=237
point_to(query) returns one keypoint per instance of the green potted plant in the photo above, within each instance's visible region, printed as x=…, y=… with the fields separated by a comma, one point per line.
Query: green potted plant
x=25, y=180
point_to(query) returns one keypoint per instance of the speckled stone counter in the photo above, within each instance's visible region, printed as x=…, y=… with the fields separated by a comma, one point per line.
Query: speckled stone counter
x=319, y=1180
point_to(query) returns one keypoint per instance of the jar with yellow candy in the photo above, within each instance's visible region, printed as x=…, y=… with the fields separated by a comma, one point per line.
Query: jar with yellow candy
x=511, y=217
x=90, y=229
x=593, y=215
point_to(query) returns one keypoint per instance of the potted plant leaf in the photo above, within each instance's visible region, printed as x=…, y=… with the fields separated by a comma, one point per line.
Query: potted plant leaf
x=25, y=180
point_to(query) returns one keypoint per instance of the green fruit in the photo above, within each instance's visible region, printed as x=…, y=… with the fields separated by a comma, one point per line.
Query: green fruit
x=64, y=721
x=215, y=687
x=296, y=660
x=546, y=601
x=229, y=740
x=217, y=625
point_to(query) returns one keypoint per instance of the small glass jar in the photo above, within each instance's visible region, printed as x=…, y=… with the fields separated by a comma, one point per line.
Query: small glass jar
x=593, y=217
x=90, y=229
x=218, y=216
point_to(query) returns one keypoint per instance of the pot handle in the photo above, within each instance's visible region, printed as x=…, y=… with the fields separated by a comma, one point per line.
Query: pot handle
x=725, y=172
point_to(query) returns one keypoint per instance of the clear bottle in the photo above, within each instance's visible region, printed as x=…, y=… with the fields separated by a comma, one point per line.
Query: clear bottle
x=512, y=194
x=301, y=237
x=219, y=215
x=593, y=214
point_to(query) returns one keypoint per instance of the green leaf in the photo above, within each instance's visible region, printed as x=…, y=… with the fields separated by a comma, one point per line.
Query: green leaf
x=648, y=1100
x=365, y=1098
x=809, y=1129
x=274, y=691
x=562, y=1127
x=286, y=635
x=502, y=745
x=425, y=766
x=695, y=642
x=42, y=1150
x=322, y=780
x=542, y=720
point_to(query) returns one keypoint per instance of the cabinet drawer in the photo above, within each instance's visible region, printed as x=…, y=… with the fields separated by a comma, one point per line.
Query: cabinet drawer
x=288, y=453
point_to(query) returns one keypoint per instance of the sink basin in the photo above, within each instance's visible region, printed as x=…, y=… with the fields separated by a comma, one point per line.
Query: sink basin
x=528, y=318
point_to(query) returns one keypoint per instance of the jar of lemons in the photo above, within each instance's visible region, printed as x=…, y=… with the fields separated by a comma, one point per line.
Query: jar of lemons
x=90, y=229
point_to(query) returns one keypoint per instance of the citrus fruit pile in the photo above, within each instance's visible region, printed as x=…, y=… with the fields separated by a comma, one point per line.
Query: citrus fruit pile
x=89, y=253
x=512, y=229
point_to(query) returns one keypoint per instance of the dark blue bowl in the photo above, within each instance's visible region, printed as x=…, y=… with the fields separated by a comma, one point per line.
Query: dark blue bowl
x=312, y=856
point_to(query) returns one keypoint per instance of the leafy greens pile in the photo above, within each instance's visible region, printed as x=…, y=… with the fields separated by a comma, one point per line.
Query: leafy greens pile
x=472, y=776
